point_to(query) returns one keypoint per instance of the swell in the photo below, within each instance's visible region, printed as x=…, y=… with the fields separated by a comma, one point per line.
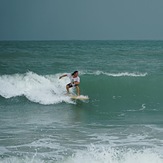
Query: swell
x=124, y=92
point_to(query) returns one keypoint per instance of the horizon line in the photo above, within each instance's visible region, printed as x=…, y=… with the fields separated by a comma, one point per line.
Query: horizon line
x=81, y=40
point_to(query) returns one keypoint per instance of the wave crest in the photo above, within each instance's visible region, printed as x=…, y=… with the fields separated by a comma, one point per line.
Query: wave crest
x=45, y=90
x=120, y=74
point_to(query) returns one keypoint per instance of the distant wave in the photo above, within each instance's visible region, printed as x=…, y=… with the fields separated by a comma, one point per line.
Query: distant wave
x=129, y=74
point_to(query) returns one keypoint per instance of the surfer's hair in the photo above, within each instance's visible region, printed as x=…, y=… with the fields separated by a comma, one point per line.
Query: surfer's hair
x=74, y=72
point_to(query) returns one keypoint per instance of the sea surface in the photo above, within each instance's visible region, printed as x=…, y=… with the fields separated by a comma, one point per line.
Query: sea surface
x=122, y=122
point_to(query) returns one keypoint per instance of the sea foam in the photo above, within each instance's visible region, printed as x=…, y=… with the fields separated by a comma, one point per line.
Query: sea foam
x=94, y=154
x=113, y=155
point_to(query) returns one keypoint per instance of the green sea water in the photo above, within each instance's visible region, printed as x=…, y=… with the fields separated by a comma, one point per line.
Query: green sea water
x=120, y=123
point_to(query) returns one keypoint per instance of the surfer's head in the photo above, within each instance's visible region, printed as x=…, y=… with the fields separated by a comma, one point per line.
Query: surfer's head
x=75, y=73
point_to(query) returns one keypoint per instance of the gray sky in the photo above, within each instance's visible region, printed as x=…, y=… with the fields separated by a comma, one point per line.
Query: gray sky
x=81, y=19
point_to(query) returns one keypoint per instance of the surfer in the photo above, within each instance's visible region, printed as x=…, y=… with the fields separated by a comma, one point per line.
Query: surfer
x=74, y=81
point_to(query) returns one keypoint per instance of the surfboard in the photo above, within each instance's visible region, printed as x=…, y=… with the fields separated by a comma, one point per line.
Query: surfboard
x=81, y=97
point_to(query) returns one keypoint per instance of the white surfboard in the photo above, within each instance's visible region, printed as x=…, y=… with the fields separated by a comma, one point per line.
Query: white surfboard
x=81, y=97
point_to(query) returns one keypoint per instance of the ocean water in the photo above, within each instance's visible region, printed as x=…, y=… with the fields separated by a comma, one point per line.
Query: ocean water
x=122, y=122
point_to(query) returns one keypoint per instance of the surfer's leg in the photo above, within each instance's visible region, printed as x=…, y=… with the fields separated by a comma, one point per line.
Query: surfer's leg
x=67, y=88
x=78, y=90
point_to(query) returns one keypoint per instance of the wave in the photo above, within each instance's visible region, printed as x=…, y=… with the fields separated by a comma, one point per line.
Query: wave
x=48, y=89
x=45, y=90
x=120, y=74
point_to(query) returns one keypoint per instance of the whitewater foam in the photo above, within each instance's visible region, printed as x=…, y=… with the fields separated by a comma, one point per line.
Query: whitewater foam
x=96, y=154
x=46, y=89
x=93, y=154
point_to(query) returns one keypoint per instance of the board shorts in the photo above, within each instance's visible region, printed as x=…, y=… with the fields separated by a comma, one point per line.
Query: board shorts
x=70, y=85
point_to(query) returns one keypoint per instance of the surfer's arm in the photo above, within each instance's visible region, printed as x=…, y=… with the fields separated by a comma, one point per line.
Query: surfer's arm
x=62, y=76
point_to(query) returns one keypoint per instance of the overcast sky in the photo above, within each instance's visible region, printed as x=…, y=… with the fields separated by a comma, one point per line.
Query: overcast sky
x=81, y=19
